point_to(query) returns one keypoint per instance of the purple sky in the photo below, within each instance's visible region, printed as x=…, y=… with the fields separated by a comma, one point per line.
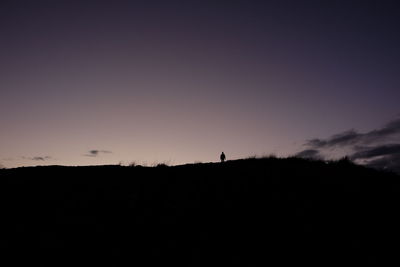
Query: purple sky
x=103, y=82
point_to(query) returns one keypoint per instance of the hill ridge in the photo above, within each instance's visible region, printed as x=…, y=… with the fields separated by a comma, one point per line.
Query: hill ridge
x=243, y=212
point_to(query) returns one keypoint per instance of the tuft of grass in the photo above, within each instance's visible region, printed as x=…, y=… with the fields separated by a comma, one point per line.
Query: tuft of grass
x=132, y=164
x=252, y=157
x=345, y=161
x=270, y=156
x=161, y=165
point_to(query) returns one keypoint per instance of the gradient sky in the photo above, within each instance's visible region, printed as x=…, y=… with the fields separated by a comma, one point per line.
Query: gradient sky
x=103, y=82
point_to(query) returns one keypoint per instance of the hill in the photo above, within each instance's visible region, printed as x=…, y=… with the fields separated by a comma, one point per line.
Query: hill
x=243, y=212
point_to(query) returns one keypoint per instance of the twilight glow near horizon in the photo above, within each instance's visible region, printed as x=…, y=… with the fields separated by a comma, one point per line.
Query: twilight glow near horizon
x=104, y=82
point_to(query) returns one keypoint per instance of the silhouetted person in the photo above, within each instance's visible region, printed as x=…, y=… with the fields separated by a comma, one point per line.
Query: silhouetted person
x=222, y=157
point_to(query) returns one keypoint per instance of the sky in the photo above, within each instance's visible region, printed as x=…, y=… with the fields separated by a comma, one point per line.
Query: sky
x=108, y=82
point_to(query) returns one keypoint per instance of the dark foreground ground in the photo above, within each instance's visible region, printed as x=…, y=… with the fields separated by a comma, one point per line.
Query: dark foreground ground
x=245, y=212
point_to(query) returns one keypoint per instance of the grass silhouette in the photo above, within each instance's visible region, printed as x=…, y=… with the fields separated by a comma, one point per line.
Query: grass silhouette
x=243, y=212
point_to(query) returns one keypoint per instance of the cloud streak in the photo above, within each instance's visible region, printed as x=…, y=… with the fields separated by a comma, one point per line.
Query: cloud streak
x=38, y=158
x=379, y=148
x=389, y=162
x=95, y=152
x=390, y=131
x=378, y=151
x=309, y=154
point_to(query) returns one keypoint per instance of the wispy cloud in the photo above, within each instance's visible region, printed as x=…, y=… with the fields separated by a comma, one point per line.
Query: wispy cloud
x=95, y=153
x=388, y=162
x=38, y=158
x=309, y=154
x=377, y=151
x=341, y=139
x=379, y=148
x=390, y=131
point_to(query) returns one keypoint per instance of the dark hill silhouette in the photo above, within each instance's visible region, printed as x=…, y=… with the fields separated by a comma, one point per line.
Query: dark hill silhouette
x=244, y=212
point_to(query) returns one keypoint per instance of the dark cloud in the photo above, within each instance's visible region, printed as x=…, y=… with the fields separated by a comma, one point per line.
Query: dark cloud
x=352, y=137
x=392, y=128
x=381, y=156
x=379, y=148
x=38, y=158
x=309, y=154
x=341, y=139
x=95, y=153
x=388, y=162
x=377, y=151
